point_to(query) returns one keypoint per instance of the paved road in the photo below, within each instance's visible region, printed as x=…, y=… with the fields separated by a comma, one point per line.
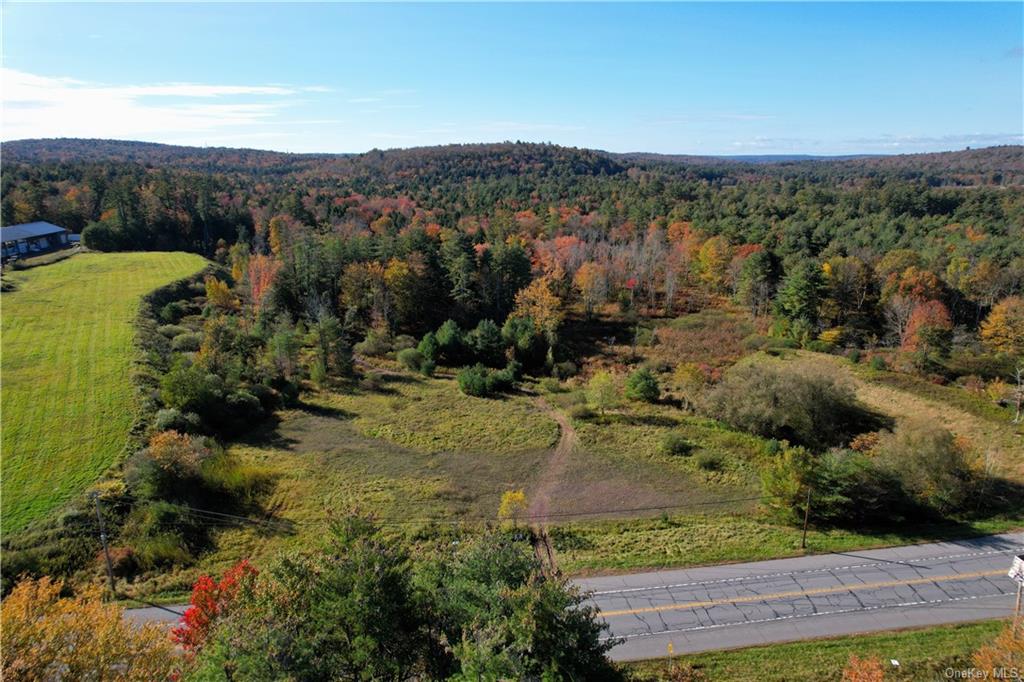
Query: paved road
x=737, y=605
x=740, y=605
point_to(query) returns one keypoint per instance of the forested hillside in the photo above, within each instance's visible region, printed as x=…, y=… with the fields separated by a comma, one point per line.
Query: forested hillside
x=514, y=268
x=468, y=217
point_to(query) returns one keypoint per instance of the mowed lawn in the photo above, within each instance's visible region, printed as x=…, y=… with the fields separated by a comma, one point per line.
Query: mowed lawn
x=67, y=349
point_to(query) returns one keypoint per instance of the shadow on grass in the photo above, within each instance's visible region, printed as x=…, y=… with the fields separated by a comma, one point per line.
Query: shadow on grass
x=323, y=411
x=613, y=418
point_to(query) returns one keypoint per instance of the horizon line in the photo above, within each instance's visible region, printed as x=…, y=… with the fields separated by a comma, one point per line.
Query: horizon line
x=808, y=155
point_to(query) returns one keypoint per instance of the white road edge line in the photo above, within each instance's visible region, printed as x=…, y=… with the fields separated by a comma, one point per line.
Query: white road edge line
x=801, y=572
x=802, y=615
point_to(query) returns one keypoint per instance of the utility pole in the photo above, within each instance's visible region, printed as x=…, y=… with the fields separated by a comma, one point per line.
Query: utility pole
x=103, y=538
x=807, y=517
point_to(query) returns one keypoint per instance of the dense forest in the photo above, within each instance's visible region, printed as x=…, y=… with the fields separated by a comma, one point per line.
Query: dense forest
x=847, y=247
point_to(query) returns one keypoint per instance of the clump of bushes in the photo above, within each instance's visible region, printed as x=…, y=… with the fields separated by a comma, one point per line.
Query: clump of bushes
x=642, y=385
x=189, y=388
x=710, y=461
x=169, y=467
x=810, y=410
x=189, y=342
x=411, y=358
x=482, y=382
x=172, y=330
x=173, y=471
x=582, y=412
x=918, y=471
x=551, y=385
x=171, y=419
x=377, y=343
x=878, y=363
x=675, y=444
x=931, y=465
x=172, y=312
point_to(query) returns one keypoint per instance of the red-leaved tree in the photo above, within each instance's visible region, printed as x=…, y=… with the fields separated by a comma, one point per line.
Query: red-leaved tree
x=262, y=273
x=210, y=600
x=929, y=327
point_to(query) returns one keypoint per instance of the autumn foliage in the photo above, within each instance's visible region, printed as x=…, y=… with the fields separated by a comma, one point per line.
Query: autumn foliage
x=928, y=322
x=218, y=294
x=1005, y=653
x=539, y=304
x=863, y=670
x=176, y=452
x=49, y=637
x=1003, y=329
x=210, y=600
x=262, y=272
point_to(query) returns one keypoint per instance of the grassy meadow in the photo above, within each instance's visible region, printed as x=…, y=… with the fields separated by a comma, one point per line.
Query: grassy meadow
x=67, y=353
x=923, y=654
x=424, y=459
x=415, y=452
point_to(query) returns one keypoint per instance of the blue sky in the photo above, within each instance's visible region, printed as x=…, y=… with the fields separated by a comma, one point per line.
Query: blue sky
x=728, y=78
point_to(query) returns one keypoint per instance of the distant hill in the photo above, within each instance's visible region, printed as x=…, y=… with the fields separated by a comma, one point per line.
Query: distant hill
x=740, y=158
x=498, y=159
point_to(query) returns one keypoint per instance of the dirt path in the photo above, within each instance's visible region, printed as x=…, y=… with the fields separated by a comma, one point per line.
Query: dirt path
x=554, y=469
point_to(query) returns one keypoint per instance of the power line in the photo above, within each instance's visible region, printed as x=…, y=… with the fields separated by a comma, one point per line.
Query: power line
x=213, y=517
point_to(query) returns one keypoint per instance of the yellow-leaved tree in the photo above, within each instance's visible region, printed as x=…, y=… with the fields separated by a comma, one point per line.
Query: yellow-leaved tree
x=49, y=637
x=513, y=505
x=1003, y=329
x=539, y=303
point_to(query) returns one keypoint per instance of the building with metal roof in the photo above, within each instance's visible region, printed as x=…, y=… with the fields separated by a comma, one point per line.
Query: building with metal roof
x=27, y=239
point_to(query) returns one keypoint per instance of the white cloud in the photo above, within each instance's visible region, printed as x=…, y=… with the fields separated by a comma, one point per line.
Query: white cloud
x=44, y=106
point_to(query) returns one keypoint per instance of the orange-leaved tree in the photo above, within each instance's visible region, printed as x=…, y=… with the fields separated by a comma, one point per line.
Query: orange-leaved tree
x=262, y=273
x=1003, y=329
x=49, y=637
x=930, y=328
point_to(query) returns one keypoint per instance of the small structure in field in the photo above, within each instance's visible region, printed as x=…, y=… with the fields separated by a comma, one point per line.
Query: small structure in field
x=29, y=239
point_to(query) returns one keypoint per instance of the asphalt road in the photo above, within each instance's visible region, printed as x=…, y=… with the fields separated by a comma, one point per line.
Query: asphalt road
x=738, y=605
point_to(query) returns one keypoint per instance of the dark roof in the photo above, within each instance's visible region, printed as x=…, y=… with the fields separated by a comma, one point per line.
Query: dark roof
x=10, y=233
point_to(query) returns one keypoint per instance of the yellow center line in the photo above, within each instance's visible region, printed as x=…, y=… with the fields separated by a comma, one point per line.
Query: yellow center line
x=801, y=593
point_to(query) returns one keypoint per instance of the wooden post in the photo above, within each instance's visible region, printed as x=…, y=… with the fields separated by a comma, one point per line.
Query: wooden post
x=1016, y=610
x=103, y=539
x=807, y=517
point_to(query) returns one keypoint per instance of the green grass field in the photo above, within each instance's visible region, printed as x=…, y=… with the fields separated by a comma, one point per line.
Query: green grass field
x=412, y=451
x=681, y=540
x=923, y=654
x=67, y=354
